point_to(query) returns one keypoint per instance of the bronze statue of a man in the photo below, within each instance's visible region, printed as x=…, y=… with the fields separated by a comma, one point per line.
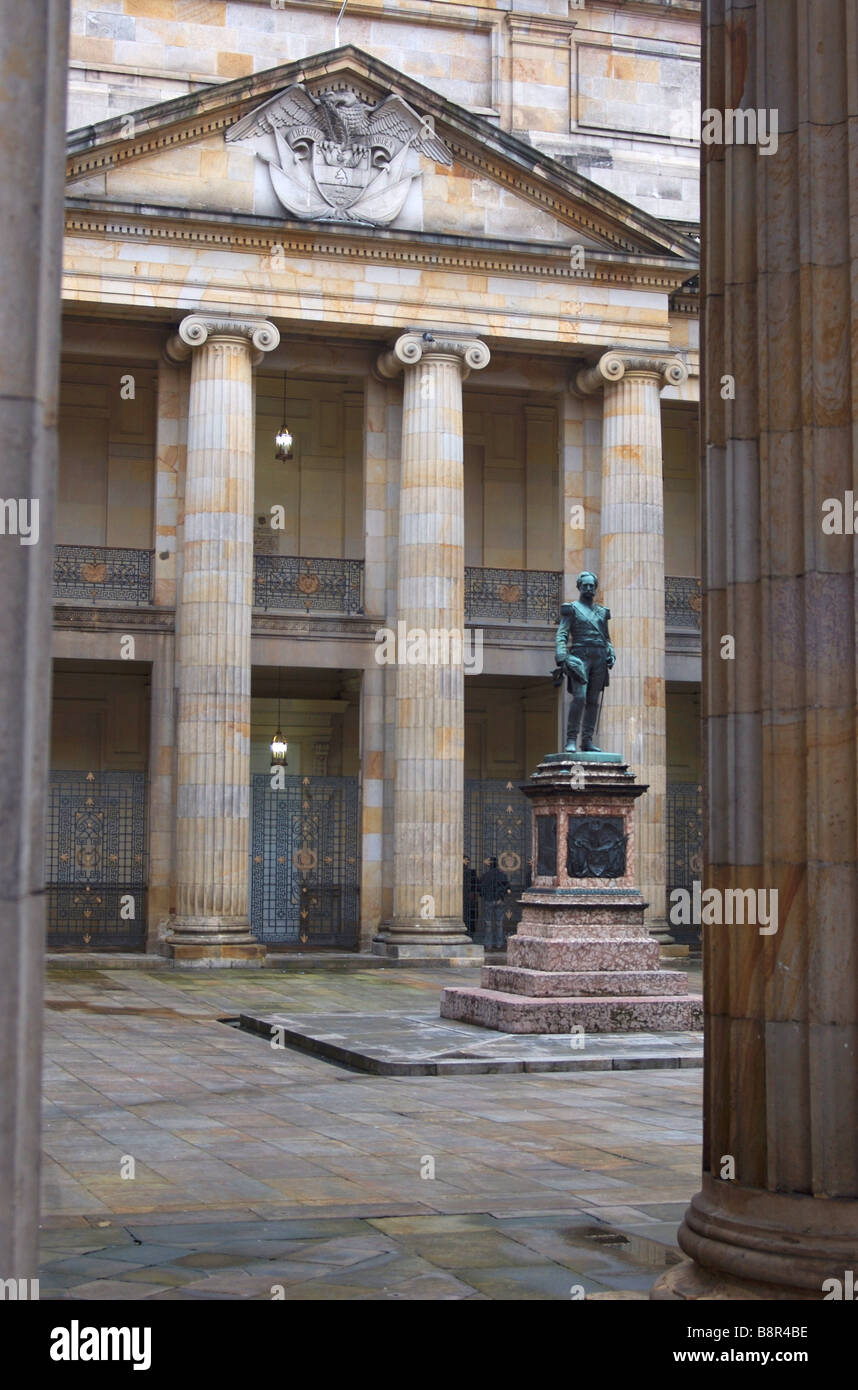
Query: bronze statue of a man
x=584, y=656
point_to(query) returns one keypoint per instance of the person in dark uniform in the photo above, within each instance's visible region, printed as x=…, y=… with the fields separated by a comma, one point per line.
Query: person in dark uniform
x=494, y=889
x=584, y=657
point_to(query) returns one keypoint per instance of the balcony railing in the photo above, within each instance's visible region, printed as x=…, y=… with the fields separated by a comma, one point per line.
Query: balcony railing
x=682, y=602
x=102, y=574
x=525, y=596
x=298, y=583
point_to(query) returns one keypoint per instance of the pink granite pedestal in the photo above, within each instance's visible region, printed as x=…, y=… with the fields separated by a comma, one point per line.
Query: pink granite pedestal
x=582, y=957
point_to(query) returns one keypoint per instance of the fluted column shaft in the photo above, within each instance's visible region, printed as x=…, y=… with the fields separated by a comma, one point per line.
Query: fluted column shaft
x=631, y=581
x=780, y=737
x=34, y=42
x=430, y=691
x=213, y=631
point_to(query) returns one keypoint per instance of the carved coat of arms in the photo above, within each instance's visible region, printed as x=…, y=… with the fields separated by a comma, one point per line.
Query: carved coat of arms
x=338, y=159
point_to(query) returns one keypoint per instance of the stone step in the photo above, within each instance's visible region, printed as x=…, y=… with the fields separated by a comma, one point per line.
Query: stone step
x=582, y=983
x=614, y=953
x=550, y=926
x=514, y=1013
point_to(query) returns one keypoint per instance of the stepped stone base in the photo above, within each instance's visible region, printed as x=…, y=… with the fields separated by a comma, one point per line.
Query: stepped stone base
x=612, y=953
x=577, y=983
x=582, y=958
x=514, y=1013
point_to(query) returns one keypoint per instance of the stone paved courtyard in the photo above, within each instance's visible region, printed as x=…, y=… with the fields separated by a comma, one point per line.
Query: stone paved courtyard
x=263, y=1172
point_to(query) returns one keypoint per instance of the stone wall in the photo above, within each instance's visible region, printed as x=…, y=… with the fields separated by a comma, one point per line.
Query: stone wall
x=609, y=89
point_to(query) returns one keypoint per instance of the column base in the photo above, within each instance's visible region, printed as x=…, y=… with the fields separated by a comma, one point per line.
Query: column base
x=214, y=942
x=748, y=1243
x=688, y=1282
x=445, y=940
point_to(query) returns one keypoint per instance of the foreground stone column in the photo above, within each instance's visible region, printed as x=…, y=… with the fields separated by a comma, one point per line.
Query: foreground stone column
x=777, y=1215
x=430, y=684
x=213, y=642
x=631, y=580
x=33, y=39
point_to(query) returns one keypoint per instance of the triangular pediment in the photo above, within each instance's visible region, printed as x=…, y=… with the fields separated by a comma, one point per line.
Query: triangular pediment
x=344, y=140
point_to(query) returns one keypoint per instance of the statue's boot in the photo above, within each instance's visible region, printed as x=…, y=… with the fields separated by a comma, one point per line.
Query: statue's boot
x=570, y=747
x=588, y=746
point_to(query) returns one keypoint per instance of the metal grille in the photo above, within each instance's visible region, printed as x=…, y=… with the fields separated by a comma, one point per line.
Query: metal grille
x=100, y=574
x=96, y=860
x=298, y=583
x=497, y=825
x=305, y=864
x=684, y=846
x=682, y=602
x=527, y=596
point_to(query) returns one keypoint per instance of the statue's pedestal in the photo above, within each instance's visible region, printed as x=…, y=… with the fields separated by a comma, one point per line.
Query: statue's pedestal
x=582, y=957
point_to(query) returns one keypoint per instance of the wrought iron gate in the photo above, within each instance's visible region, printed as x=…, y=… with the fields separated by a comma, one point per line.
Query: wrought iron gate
x=96, y=860
x=684, y=848
x=305, y=862
x=497, y=826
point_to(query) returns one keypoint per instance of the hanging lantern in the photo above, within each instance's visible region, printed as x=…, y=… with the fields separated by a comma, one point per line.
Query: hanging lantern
x=279, y=749
x=279, y=746
x=283, y=438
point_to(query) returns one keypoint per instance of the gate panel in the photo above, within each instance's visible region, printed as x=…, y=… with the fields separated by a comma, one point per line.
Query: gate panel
x=497, y=825
x=96, y=860
x=305, y=864
x=684, y=849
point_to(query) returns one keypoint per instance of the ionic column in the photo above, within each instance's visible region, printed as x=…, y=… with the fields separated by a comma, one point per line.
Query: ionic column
x=777, y=1216
x=430, y=693
x=213, y=640
x=631, y=584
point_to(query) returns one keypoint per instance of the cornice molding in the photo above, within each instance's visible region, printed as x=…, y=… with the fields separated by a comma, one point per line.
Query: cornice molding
x=685, y=302
x=541, y=28
x=415, y=249
x=104, y=619
x=122, y=151
x=315, y=625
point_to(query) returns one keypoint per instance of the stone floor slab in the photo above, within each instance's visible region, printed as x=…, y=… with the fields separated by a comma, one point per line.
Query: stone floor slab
x=260, y=1165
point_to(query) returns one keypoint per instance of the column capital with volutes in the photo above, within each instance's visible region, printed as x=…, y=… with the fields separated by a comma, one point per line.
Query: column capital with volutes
x=666, y=368
x=198, y=329
x=410, y=349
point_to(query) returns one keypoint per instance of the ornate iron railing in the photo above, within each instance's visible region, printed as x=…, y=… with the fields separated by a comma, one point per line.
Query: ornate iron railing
x=307, y=584
x=682, y=602
x=526, y=596
x=96, y=860
x=102, y=574
x=684, y=847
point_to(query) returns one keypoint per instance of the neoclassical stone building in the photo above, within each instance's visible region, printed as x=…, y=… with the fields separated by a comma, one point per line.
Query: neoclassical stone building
x=453, y=249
